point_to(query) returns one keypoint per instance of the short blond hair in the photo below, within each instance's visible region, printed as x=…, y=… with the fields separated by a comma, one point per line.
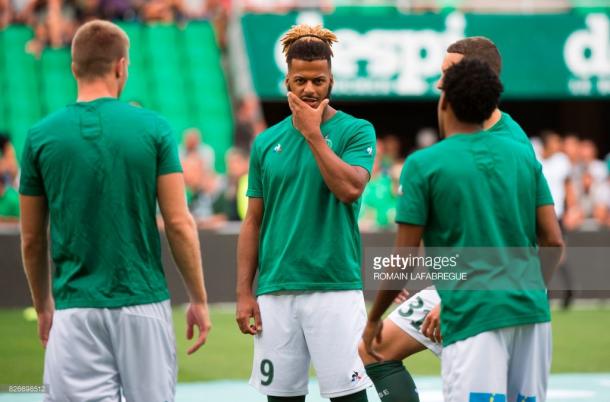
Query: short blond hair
x=96, y=46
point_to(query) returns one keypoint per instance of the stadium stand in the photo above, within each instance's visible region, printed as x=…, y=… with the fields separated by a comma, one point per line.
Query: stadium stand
x=175, y=71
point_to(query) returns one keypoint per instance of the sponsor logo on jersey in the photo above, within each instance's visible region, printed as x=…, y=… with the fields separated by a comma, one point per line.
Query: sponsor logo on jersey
x=487, y=397
x=369, y=150
x=522, y=398
x=400, y=192
x=329, y=142
x=277, y=148
x=356, y=376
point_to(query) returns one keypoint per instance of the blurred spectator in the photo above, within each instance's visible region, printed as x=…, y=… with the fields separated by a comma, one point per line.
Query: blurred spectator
x=588, y=208
x=588, y=156
x=202, y=184
x=6, y=13
x=248, y=121
x=592, y=202
x=194, y=147
x=232, y=203
x=8, y=161
x=162, y=10
x=426, y=137
x=53, y=22
x=556, y=167
x=557, y=170
x=379, y=198
x=9, y=204
x=571, y=147
x=392, y=149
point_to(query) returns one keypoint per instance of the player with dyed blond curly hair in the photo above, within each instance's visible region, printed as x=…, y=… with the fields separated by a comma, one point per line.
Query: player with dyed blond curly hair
x=307, y=174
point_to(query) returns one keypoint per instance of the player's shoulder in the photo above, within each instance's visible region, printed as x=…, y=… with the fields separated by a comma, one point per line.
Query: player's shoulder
x=271, y=132
x=508, y=127
x=352, y=121
x=50, y=121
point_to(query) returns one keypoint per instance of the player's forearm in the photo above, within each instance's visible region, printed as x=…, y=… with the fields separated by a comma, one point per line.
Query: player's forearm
x=36, y=265
x=383, y=300
x=184, y=243
x=247, y=257
x=550, y=258
x=341, y=178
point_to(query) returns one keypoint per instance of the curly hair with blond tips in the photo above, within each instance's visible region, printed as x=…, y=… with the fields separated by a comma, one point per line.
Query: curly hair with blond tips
x=309, y=43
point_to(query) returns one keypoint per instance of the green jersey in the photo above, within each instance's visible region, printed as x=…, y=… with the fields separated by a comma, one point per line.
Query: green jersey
x=479, y=190
x=9, y=203
x=309, y=240
x=97, y=164
x=509, y=128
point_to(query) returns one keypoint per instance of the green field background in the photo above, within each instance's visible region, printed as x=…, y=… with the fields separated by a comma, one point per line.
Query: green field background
x=581, y=344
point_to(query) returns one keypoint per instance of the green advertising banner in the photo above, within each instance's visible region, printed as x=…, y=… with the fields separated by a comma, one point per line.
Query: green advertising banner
x=399, y=56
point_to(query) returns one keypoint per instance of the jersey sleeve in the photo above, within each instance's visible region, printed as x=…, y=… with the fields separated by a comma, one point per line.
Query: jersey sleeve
x=413, y=195
x=30, y=182
x=255, y=185
x=361, y=149
x=168, y=160
x=543, y=193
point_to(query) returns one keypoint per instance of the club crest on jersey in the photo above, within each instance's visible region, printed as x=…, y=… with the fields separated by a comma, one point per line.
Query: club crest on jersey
x=356, y=376
x=277, y=148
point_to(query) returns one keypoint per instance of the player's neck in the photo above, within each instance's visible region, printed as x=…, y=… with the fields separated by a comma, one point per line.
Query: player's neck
x=92, y=90
x=329, y=112
x=458, y=127
x=496, y=115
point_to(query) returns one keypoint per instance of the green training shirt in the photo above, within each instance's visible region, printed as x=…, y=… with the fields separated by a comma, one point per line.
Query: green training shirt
x=309, y=240
x=479, y=190
x=97, y=164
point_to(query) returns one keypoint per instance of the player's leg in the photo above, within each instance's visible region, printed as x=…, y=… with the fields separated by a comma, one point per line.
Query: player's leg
x=281, y=359
x=391, y=379
x=528, y=372
x=332, y=324
x=475, y=369
x=145, y=350
x=79, y=363
x=396, y=344
x=401, y=337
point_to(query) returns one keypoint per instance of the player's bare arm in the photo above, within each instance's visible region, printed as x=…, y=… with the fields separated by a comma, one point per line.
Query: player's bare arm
x=550, y=240
x=34, y=248
x=183, y=239
x=247, y=260
x=407, y=236
x=347, y=182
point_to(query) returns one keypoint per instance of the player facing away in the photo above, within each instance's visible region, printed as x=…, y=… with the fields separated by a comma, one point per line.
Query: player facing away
x=415, y=324
x=95, y=170
x=307, y=174
x=496, y=343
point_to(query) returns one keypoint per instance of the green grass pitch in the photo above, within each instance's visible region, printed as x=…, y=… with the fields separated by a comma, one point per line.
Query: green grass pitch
x=580, y=345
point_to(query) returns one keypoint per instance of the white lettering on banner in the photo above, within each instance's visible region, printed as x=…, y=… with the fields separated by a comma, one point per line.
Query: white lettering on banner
x=587, y=55
x=384, y=62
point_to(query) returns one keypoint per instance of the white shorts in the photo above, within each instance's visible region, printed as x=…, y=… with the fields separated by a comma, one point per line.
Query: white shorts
x=410, y=315
x=102, y=354
x=324, y=327
x=504, y=365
